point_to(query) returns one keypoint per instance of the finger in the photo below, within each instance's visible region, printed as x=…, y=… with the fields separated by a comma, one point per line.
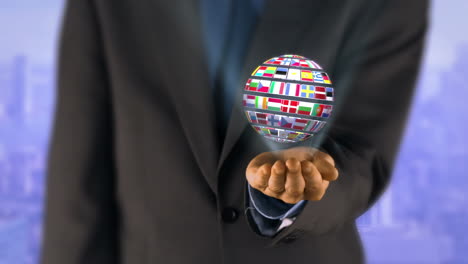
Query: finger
x=313, y=180
x=326, y=168
x=315, y=185
x=277, y=180
x=295, y=184
x=260, y=179
x=325, y=156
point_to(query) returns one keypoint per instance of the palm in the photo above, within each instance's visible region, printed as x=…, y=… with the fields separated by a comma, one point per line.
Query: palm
x=301, y=173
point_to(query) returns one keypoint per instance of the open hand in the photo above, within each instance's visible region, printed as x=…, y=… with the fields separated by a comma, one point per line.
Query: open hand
x=291, y=175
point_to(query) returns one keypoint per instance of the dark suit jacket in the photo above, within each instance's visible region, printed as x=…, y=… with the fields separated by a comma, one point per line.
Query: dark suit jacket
x=133, y=174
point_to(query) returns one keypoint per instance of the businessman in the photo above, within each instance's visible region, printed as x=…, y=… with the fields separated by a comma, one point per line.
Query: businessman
x=151, y=159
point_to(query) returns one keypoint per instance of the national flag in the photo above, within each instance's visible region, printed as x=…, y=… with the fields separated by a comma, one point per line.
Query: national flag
x=277, y=87
x=287, y=121
x=304, y=63
x=315, y=65
x=281, y=73
x=295, y=62
x=326, y=79
x=316, y=125
x=274, y=120
x=274, y=104
x=248, y=86
x=304, y=108
x=265, y=131
x=317, y=77
x=300, y=123
x=258, y=85
x=278, y=61
x=259, y=71
x=269, y=72
x=292, y=135
x=273, y=132
x=289, y=106
x=321, y=125
x=326, y=111
x=261, y=102
x=320, y=93
x=306, y=76
x=292, y=56
x=249, y=100
x=261, y=118
x=263, y=86
x=265, y=71
x=329, y=94
x=310, y=126
x=300, y=63
x=307, y=91
x=317, y=109
x=294, y=74
x=252, y=117
x=283, y=133
x=292, y=89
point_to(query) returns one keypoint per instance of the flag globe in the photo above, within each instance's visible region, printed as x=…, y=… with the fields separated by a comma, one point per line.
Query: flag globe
x=288, y=98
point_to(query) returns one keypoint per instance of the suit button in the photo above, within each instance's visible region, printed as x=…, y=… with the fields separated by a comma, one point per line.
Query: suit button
x=229, y=214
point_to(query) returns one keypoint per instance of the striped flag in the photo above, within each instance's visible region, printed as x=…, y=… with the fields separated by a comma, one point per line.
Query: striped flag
x=249, y=100
x=281, y=73
x=310, y=126
x=261, y=118
x=277, y=87
x=305, y=108
x=318, y=77
x=292, y=89
x=326, y=79
x=261, y=102
x=329, y=94
x=321, y=77
x=300, y=123
x=320, y=93
x=252, y=117
x=306, y=76
x=274, y=104
x=315, y=65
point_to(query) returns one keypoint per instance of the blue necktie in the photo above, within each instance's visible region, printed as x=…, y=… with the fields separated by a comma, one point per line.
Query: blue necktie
x=228, y=26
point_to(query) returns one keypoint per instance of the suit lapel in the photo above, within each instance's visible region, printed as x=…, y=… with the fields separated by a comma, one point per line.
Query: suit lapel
x=183, y=65
x=278, y=32
x=185, y=72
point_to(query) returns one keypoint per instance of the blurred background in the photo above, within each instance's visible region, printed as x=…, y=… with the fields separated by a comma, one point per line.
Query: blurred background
x=421, y=218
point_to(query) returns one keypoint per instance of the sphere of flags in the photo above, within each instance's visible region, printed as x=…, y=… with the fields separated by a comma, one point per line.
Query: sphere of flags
x=288, y=98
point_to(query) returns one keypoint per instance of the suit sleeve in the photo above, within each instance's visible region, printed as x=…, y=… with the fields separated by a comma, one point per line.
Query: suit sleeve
x=374, y=79
x=269, y=213
x=81, y=216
